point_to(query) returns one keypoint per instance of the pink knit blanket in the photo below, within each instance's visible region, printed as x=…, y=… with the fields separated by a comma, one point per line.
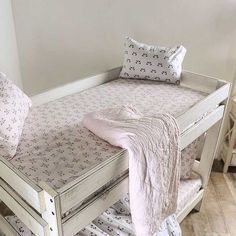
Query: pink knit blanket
x=154, y=161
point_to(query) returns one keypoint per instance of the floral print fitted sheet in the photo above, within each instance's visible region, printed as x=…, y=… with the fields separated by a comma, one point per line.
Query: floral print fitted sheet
x=57, y=149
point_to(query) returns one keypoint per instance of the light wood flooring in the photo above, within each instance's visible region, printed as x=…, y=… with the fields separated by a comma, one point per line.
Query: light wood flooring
x=217, y=216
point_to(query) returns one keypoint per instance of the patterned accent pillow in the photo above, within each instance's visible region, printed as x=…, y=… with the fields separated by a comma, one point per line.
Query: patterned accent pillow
x=189, y=155
x=14, y=108
x=142, y=61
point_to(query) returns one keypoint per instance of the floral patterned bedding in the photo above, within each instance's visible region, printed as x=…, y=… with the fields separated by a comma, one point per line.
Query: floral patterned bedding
x=116, y=220
x=56, y=148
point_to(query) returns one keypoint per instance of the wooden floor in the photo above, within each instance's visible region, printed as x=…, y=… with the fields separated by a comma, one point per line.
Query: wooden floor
x=218, y=213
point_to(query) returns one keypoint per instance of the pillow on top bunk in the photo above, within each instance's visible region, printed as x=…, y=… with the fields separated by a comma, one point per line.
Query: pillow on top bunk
x=142, y=61
x=14, y=108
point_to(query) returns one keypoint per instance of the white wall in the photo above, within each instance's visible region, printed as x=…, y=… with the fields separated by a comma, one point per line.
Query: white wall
x=9, y=62
x=60, y=41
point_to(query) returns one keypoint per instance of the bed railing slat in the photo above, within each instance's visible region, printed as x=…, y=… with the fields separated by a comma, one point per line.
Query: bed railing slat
x=98, y=178
x=26, y=188
x=27, y=215
x=201, y=127
x=204, y=106
x=75, y=87
x=95, y=208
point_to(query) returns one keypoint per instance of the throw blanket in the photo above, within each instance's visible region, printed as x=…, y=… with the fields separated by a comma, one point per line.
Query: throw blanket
x=154, y=161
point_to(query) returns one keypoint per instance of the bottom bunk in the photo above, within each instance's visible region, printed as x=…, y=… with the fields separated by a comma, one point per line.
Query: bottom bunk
x=116, y=220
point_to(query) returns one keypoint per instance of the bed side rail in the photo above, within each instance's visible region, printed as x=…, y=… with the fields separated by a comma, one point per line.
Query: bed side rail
x=201, y=127
x=200, y=82
x=24, y=212
x=83, y=216
x=21, y=184
x=188, y=79
x=75, y=87
x=94, y=179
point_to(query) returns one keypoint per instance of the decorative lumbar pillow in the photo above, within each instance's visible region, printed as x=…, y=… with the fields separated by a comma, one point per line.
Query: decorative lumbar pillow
x=142, y=61
x=14, y=108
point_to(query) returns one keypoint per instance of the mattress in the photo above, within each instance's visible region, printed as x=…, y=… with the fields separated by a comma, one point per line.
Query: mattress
x=56, y=148
x=116, y=220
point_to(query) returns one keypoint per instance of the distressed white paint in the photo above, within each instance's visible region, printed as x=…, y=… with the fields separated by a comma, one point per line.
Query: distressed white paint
x=53, y=202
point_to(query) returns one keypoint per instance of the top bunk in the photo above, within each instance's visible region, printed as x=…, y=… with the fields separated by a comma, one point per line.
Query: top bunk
x=57, y=153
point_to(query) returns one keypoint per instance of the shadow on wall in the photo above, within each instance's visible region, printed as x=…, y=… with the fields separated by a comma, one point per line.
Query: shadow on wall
x=61, y=41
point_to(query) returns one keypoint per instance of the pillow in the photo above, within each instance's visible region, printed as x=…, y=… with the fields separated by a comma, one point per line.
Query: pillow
x=189, y=155
x=14, y=108
x=142, y=61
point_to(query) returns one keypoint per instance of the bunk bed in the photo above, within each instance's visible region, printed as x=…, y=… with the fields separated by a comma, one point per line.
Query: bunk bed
x=64, y=205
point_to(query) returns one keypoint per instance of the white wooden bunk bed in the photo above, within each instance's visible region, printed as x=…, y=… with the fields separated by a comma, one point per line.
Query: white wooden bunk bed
x=64, y=211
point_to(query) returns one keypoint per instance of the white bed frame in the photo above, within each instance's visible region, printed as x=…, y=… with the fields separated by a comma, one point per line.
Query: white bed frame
x=42, y=208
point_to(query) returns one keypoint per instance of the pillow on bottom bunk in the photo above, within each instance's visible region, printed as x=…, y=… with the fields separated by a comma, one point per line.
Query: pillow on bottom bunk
x=189, y=155
x=14, y=108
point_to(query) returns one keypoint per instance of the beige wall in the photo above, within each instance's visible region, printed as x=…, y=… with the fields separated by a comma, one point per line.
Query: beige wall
x=9, y=62
x=60, y=41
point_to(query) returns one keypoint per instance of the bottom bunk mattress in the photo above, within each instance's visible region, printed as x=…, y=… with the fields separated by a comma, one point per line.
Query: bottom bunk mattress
x=55, y=147
x=116, y=220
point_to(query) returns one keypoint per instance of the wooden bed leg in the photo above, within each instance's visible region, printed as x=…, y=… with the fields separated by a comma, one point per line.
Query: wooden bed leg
x=227, y=163
x=208, y=154
x=223, y=125
x=230, y=149
x=52, y=214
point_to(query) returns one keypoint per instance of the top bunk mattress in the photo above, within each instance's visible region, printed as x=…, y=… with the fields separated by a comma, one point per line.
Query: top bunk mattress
x=57, y=149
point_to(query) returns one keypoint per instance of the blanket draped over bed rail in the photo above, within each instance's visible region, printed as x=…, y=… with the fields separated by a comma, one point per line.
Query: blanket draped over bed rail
x=154, y=161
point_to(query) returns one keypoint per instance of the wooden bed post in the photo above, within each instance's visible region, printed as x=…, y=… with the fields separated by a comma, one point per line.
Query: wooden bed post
x=52, y=214
x=208, y=156
x=231, y=144
x=223, y=125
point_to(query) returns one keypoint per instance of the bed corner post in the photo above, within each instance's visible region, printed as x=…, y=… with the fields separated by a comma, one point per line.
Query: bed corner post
x=214, y=137
x=50, y=204
x=207, y=157
x=226, y=103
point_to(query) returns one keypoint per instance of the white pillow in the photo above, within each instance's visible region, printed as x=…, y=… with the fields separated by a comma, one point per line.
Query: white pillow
x=142, y=61
x=189, y=155
x=14, y=108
